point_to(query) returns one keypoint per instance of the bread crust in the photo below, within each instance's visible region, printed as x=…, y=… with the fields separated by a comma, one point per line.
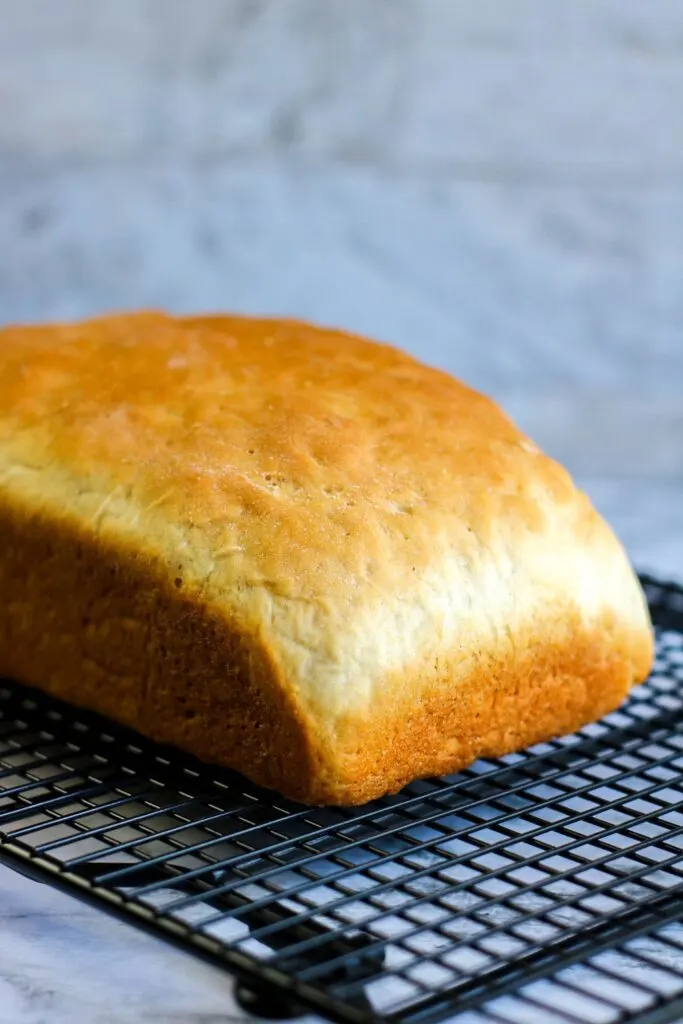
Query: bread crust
x=298, y=554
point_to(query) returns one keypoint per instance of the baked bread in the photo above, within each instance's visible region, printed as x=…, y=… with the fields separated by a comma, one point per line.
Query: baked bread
x=297, y=553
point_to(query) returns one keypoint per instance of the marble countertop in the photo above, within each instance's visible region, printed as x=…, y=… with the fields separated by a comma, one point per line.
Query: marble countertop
x=64, y=963
x=496, y=187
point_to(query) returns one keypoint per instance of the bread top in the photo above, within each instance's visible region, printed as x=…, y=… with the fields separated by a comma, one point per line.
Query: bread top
x=356, y=511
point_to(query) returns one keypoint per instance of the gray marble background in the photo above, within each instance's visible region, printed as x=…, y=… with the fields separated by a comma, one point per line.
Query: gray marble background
x=496, y=186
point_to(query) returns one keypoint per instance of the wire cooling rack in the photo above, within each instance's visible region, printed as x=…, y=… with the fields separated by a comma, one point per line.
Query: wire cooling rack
x=545, y=887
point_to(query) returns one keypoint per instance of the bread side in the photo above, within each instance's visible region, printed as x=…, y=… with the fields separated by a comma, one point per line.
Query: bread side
x=298, y=554
x=103, y=627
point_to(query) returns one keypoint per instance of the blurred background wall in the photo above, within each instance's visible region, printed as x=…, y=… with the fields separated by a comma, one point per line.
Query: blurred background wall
x=496, y=186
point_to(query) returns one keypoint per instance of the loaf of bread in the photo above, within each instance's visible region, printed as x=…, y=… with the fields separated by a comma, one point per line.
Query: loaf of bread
x=297, y=553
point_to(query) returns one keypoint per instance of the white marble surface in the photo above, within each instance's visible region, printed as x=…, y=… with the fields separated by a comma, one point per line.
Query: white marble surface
x=569, y=91
x=64, y=963
x=496, y=186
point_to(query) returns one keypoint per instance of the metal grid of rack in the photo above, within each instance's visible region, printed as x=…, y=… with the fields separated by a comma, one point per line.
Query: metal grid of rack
x=545, y=887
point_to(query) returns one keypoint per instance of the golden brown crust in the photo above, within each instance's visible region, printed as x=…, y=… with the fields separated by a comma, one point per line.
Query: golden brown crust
x=92, y=626
x=502, y=705
x=297, y=553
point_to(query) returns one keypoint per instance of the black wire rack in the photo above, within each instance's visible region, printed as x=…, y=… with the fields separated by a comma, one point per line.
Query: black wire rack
x=544, y=887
